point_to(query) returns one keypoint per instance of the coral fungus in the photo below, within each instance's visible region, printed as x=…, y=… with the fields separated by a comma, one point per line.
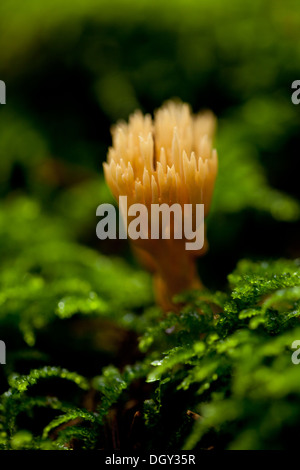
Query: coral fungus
x=168, y=159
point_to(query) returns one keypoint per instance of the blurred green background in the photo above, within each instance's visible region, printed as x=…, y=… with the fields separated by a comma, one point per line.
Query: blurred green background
x=72, y=68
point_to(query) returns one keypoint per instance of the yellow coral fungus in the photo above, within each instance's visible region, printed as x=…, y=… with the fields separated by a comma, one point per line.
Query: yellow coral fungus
x=165, y=160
